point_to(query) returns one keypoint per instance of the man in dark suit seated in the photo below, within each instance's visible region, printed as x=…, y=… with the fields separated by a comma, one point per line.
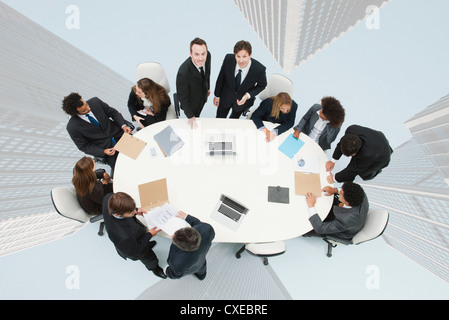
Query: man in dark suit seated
x=347, y=215
x=94, y=126
x=240, y=80
x=193, y=80
x=130, y=237
x=369, y=150
x=189, y=248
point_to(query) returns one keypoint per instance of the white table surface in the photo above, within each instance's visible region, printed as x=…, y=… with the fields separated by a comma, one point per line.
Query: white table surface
x=196, y=180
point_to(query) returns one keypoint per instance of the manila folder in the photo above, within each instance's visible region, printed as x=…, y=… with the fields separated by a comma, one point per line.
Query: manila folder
x=307, y=182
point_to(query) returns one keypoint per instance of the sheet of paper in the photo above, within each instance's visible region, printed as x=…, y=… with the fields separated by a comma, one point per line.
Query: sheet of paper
x=291, y=146
x=307, y=164
x=164, y=217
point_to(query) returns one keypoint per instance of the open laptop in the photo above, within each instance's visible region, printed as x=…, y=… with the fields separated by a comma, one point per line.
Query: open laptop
x=220, y=144
x=229, y=212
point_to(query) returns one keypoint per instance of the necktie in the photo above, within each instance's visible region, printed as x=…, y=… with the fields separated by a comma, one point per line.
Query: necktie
x=202, y=72
x=238, y=79
x=93, y=120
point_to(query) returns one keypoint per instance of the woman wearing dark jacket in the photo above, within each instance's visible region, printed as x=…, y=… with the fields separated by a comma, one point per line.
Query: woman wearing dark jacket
x=91, y=187
x=148, y=102
x=279, y=109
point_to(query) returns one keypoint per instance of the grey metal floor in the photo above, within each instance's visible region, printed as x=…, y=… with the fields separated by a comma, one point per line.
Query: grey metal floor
x=228, y=278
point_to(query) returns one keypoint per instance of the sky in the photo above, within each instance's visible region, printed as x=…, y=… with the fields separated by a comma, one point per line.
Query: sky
x=382, y=77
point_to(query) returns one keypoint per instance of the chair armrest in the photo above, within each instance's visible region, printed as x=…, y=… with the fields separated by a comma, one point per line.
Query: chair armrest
x=96, y=218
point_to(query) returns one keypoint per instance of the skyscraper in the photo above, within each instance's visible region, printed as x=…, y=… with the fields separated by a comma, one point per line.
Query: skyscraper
x=414, y=189
x=36, y=154
x=295, y=30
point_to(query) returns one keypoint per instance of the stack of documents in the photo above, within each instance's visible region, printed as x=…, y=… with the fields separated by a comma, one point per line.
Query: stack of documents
x=165, y=218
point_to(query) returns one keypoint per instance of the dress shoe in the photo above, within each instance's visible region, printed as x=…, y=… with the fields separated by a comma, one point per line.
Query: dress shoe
x=158, y=272
x=200, y=276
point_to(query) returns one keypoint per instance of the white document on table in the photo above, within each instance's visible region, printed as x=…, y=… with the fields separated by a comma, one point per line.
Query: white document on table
x=165, y=217
x=306, y=164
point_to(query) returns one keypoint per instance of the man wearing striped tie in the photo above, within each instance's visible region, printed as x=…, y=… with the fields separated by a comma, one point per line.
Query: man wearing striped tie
x=94, y=126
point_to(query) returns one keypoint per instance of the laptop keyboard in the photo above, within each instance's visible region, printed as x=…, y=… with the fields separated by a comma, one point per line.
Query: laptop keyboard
x=229, y=213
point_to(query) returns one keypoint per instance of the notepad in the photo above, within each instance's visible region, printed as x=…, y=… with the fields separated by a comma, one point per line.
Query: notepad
x=291, y=146
x=168, y=141
x=130, y=145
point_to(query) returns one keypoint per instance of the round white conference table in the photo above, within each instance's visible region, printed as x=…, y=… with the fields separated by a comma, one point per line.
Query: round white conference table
x=196, y=180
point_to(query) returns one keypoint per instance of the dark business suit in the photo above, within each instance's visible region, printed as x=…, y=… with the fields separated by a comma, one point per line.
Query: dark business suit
x=307, y=123
x=181, y=263
x=130, y=237
x=263, y=113
x=192, y=89
x=92, y=139
x=135, y=104
x=225, y=87
x=92, y=202
x=342, y=222
x=373, y=156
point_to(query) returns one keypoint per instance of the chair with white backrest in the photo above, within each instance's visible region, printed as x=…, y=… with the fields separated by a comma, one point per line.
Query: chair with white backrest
x=276, y=84
x=375, y=225
x=155, y=72
x=66, y=204
x=264, y=250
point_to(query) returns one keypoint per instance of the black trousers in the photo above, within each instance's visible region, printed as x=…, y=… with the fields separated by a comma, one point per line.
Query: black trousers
x=223, y=112
x=149, y=259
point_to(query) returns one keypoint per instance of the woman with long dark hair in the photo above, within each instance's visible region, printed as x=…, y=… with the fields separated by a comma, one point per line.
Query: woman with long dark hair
x=148, y=102
x=91, y=186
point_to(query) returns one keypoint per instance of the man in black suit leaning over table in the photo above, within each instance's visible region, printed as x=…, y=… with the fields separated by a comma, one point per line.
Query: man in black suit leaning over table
x=369, y=150
x=193, y=80
x=94, y=126
x=189, y=248
x=240, y=80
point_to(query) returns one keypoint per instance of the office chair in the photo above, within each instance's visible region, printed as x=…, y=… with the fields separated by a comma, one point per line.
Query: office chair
x=66, y=204
x=155, y=72
x=375, y=225
x=264, y=250
x=276, y=83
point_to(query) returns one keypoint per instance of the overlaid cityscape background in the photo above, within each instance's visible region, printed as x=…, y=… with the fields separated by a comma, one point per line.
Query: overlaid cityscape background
x=388, y=71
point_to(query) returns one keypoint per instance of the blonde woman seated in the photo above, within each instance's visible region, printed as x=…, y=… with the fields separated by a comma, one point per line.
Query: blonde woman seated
x=148, y=102
x=279, y=109
x=90, y=185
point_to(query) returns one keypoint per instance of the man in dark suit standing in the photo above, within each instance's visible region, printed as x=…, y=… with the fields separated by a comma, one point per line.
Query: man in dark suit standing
x=240, y=80
x=189, y=248
x=348, y=213
x=369, y=150
x=193, y=80
x=94, y=126
x=129, y=236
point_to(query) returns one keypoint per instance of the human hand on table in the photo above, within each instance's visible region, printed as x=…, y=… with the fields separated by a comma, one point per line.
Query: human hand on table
x=310, y=199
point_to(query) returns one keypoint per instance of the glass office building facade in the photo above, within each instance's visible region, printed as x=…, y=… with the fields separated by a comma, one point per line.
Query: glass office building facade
x=36, y=154
x=414, y=189
x=296, y=30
